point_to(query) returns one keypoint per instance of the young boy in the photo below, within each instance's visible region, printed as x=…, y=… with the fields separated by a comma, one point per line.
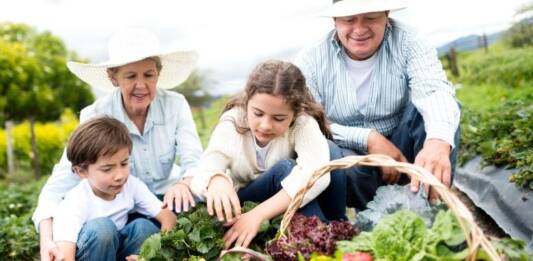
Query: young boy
x=98, y=207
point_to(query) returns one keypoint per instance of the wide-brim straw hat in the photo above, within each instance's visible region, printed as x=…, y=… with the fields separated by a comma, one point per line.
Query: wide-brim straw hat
x=132, y=45
x=354, y=7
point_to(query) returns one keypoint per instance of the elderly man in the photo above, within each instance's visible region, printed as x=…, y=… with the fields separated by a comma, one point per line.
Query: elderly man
x=385, y=92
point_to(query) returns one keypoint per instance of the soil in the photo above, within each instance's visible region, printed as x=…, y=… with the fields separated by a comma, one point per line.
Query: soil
x=483, y=220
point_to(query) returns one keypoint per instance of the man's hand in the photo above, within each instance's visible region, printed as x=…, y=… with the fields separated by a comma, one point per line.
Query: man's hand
x=435, y=158
x=379, y=144
x=179, y=197
x=222, y=200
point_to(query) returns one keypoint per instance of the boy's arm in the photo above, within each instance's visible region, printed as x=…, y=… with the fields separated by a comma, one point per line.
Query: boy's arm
x=167, y=219
x=68, y=249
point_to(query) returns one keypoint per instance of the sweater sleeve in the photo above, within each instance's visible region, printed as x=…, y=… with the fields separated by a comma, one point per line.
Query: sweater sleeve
x=312, y=149
x=217, y=158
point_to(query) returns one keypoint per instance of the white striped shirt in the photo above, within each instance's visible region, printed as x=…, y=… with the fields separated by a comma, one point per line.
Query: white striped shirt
x=407, y=69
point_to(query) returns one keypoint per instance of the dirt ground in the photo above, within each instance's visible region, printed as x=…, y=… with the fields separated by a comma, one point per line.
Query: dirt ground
x=484, y=221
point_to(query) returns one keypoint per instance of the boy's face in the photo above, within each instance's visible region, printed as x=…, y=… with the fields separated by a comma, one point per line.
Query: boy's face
x=108, y=174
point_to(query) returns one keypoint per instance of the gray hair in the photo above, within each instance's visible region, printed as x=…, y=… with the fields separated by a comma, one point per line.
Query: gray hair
x=158, y=65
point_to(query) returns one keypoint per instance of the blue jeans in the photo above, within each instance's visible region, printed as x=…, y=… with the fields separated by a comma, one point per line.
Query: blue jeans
x=99, y=239
x=329, y=205
x=409, y=137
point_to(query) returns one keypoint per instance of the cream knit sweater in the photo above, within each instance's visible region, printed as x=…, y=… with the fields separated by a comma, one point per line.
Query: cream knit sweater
x=233, y=154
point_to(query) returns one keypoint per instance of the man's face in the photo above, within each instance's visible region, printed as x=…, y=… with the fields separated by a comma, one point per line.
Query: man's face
x=362, y=34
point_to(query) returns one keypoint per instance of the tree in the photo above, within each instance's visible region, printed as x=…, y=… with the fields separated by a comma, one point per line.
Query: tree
x=34, y=81
x=196, y=91
x=521, y=33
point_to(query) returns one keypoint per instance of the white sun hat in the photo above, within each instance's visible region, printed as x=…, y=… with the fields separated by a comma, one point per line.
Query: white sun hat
x=354, y=7
x=132, y=45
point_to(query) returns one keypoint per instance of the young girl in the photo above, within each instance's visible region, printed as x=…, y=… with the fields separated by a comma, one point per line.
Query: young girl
x=265, y=148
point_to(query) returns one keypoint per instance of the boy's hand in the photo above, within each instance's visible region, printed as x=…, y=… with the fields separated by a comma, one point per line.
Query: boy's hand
x=222, y=199
x=243, y=230
x=179, y=197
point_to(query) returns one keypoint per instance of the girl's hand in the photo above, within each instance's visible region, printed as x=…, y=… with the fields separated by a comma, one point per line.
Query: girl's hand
x=222, y=199
x=179, y=197
x=243, y=230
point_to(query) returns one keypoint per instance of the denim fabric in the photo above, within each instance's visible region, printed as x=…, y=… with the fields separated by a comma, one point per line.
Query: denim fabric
x=99, y=239
x=329, y=205
x=409, y=137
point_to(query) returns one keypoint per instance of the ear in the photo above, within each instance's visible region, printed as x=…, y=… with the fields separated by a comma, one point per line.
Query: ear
x=111, y=76
x=80, y=171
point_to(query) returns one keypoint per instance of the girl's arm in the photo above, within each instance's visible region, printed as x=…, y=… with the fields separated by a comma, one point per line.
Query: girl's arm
x=167, y=220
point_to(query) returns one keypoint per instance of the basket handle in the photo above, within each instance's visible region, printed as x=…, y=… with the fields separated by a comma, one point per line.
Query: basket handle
x=474, y=235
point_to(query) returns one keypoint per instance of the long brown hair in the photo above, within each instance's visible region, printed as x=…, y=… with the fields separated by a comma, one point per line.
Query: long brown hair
x=284, y=79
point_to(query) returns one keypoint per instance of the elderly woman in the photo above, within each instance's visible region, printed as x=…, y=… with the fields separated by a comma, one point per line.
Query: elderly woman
x=159, y=122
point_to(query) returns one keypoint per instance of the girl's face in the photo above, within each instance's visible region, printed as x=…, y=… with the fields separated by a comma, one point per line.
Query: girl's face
x=268, y=117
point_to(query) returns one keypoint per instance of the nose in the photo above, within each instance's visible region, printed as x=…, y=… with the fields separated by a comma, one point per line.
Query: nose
x=265, y=124
x=121, y=174
x=359, y=27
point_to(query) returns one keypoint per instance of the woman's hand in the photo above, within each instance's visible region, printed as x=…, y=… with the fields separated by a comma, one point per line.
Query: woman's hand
x=243, y=230
x=51, y=252
x=222, y=199
x=179, y=197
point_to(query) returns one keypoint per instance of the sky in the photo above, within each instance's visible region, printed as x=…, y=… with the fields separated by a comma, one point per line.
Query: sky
x=232, y=36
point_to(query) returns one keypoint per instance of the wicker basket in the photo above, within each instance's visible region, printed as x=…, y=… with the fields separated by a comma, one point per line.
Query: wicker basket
x=474, y=235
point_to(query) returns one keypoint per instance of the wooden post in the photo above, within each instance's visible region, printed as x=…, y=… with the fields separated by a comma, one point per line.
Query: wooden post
x=10, y=149
x=34, y=150
x=452, y=60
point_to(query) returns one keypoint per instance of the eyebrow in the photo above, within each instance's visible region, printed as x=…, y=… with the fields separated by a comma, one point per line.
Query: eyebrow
x=275, y=115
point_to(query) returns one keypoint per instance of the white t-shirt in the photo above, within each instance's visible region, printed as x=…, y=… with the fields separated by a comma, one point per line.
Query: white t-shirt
x=360, y=72
x=260, y=154
x=82, y=205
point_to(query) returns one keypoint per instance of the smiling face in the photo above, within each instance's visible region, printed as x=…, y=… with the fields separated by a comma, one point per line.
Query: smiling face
x=137, y=82
x=268, y=117
x=362, y=34
x=108, y=174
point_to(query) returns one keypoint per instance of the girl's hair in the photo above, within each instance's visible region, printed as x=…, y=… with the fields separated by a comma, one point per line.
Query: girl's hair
x=284, y=79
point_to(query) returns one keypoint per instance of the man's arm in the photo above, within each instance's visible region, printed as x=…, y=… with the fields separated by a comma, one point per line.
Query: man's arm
x=434, y=97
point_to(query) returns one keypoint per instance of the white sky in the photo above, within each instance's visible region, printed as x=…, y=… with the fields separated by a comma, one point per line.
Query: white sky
x=234, y=35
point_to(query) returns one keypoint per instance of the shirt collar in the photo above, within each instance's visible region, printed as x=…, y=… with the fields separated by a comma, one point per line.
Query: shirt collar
x=155, y=114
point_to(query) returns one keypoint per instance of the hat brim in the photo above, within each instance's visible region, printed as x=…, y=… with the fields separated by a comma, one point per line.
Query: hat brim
x=176, y=68
x=349, y=8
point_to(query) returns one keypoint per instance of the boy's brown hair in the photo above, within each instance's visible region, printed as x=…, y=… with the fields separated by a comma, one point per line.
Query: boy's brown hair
x=97, y=137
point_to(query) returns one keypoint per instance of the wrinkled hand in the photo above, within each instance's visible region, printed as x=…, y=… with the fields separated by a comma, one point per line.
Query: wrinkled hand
x=243, y=230
x=435, y=158
x=50, y=252
x=379, y=144
x=222, y=199
x=178, y=198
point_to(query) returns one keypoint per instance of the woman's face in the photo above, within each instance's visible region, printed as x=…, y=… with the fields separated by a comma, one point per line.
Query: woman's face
x=268, y=117
x=137, y=82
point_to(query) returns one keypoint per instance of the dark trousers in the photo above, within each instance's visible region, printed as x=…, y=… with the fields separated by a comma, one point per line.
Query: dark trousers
x=329, y=205
x=409, y=137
